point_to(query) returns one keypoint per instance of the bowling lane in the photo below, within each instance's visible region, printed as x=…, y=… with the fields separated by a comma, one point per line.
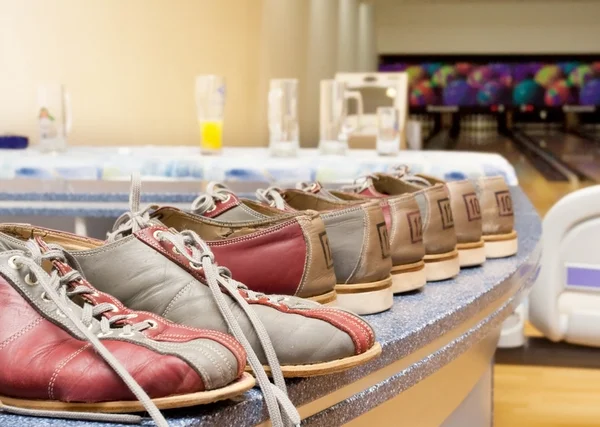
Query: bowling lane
x=579, y=154
x=492, y=143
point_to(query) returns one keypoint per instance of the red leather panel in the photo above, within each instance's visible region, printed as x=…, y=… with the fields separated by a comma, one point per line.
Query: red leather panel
x=40, y=360
x=270, y=261
x=281, y=247
x=387, y=216
x=371, y=192
x=221, y=207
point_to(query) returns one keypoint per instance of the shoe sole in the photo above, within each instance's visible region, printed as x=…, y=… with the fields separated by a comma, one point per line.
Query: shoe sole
x=501, y=245
x=328, y=298
x=246, y=382
x=325, y=368
x=441, y=266
x=408, y=277
x=366, y=298
x=471, y=254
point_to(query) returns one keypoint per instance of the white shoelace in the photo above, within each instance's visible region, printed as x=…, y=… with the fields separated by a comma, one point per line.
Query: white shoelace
x=359, y=184
x=55, y=290
x=271, y=196
x=205, y=202
x=403, y=172
x=219, y=279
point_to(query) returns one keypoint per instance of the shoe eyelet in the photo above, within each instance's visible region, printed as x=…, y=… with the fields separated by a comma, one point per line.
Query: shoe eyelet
x=100, y=335
x=29, y=281
x=157, y=234
x=194, y=266
x=153, y=323
x=12, y=263
x=176, y=251
x=228, y=198
x=94, y=294
x=60, y=313
x=132, y=316
x=114, y=308
x=45, y=298
x=214, y=208
x=126, y=334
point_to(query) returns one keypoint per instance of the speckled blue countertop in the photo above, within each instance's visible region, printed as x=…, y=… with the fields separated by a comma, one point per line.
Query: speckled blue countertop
x=415, y=321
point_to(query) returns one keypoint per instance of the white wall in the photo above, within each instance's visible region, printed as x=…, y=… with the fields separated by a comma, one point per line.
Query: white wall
x=488, y=26
x=130, y=65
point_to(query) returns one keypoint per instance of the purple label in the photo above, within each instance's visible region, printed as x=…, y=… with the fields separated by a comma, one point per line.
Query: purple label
x=583, y=276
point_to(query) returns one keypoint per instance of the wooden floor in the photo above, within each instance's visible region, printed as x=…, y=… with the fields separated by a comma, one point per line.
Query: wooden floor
x=531, y=396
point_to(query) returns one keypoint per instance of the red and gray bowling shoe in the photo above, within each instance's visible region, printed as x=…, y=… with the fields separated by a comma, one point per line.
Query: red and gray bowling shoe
x=64, y=346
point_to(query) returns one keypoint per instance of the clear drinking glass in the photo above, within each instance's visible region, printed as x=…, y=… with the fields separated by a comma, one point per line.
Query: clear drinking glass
x=54, y=117
x=283, y=117
x=210, y=104
x=334, y=129
x=388, y=131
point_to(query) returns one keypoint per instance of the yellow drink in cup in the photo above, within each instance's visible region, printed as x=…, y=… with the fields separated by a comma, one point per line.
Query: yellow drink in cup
x=210, y=103
x=211, y=135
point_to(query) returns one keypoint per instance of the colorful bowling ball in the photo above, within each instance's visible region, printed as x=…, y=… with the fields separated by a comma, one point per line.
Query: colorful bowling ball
x=580, y=75
x=567, y=67
x=492, y=93
x=528, y=92
x=522, y=72
x=431, y=67
x=547, y=75
x=590, y=93
x=480, y=76
x=422, y=94
x=558, y=94
x=463, y=68
x=502, y=73
x=415, y=73
x=443, y=76
x=459, y=93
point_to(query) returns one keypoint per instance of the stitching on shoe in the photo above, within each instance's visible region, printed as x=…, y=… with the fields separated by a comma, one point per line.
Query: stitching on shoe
x=307, y=259
x=105, y=248
x=342, y=212
x=61, y=366
x=253, y=236
x=251, y=212
x=353, y=320
x=175, y=351
x=175, y=298
x=210, y=344
x=22, y=332
x=364, y=245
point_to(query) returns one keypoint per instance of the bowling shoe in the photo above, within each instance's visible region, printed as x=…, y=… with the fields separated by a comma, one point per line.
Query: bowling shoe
x=497, y=217
x=405, y=234
x=355, y=240
x=282, y=254
x=466, y=212
x=439, y=236
x=174, y=274
x=358, y=242
x=65, y=346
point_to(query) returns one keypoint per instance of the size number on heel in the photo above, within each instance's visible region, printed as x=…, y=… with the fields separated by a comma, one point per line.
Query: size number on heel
x=446, y=213
x=504, y=201
x=472, y=205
